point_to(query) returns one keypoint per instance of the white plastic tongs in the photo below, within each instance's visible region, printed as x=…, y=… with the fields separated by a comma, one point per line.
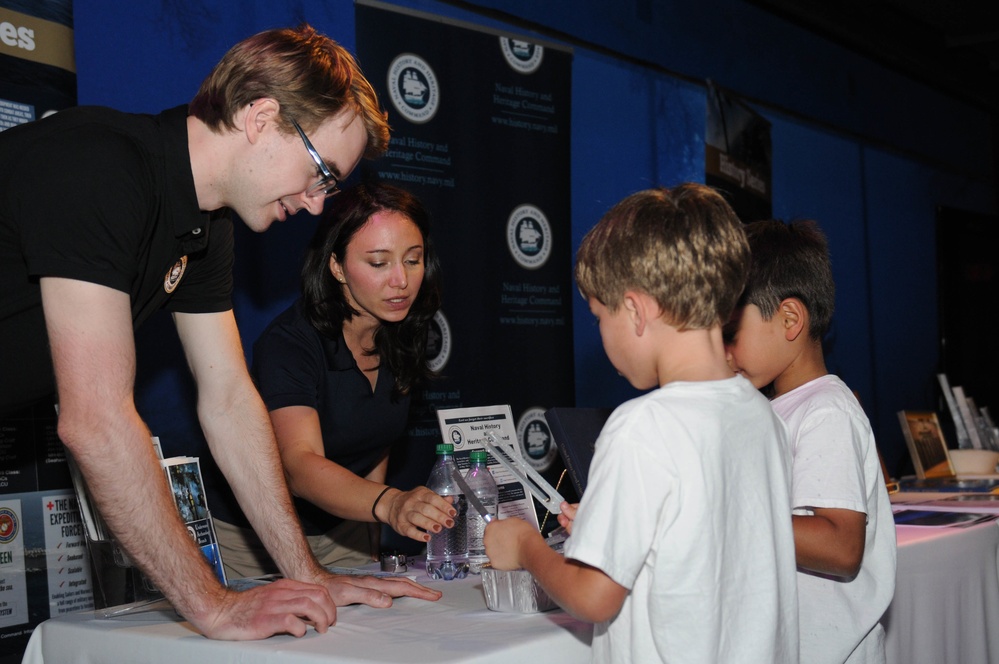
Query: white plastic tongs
x=530, y=478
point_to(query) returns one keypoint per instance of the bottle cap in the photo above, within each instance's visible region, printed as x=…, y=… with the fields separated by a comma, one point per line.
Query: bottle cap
x=393, y=562
x=445, y=448
x=478, y=455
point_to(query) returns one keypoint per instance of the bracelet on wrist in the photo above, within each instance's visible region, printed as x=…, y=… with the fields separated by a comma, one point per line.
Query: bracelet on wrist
x=375, y=504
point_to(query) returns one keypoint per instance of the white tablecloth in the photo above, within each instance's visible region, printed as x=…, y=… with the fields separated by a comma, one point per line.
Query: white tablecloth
x=457, y=628
x=946, y=604
x=945, y=611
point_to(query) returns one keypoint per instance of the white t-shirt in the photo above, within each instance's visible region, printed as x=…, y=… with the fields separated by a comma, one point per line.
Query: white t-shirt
x=836, y=465
x=687, y=506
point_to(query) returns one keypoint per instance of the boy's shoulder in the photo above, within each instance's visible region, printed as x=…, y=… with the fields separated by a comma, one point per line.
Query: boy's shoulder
x=826, y=387
x=691, y=401
x=825, y=393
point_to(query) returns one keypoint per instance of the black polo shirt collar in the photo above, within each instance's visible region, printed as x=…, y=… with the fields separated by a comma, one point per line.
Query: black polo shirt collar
x=338, y=356
x=190, y=230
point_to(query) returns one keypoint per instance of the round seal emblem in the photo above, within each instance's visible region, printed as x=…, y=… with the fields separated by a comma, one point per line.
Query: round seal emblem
x=536, y=440
x=9, y=525
x=521, y=55
x=413, y=88
x=174, y=275
x=529, y=237
x=438, y=342
x=456, y=436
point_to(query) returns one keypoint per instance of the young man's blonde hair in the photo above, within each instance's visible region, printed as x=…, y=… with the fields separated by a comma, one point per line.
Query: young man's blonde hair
x=683, y=246
x=311, y=76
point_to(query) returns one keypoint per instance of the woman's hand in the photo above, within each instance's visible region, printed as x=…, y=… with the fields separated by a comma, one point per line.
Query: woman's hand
x=415, y=513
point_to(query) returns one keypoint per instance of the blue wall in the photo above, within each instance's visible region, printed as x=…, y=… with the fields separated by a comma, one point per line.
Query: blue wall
x=868, y=153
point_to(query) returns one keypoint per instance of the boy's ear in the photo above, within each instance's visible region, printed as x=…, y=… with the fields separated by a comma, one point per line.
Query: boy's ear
x=793, y=317
x=636, y=307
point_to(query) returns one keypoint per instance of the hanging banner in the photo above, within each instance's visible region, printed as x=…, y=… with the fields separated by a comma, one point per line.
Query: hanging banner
x=737, y=155
x=480, y=132
x=37, y=66
x=44, y=570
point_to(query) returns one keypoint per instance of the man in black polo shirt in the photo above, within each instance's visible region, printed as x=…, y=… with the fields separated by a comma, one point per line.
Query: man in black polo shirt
x=106, y=217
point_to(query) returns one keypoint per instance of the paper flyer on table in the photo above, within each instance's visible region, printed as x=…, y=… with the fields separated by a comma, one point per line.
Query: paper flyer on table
x=910, y=516
x=466, y=428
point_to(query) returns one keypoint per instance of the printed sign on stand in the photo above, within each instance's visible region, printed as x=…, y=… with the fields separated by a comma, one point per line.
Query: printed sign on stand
x=466, y=429
x=66, y=555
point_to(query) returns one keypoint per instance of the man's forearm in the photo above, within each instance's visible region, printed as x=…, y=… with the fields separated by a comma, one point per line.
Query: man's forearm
x=127, y=485
x=90, y=334
x=243, y=444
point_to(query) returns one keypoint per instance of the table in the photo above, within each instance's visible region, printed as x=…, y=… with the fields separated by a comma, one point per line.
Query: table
x=946, y=604
x=945, y=611
x=456, y=628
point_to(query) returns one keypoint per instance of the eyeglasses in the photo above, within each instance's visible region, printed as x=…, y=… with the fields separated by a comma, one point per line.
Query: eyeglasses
x=328, y=184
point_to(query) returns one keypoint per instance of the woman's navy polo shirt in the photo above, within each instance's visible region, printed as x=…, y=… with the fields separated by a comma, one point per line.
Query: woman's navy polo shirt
x=295, y=365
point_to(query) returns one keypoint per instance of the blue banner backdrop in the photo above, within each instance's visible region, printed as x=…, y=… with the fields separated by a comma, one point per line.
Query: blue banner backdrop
x=481, y=134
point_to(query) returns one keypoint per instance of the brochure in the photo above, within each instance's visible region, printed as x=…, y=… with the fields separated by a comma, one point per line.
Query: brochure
x=188, y=488
x=116, y=579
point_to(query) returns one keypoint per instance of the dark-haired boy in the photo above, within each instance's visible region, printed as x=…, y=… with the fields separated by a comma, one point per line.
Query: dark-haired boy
x=843, y=529
x=681, y=549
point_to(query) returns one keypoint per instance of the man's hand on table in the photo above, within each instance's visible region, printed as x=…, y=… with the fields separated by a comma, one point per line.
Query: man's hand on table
x=282, y=607
x=286, y=606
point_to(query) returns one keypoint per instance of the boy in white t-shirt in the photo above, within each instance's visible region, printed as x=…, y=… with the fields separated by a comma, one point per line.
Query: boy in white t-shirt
x=681, y=549
x=843, y=527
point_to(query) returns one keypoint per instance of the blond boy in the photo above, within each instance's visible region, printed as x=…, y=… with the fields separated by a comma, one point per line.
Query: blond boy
x=681, y=549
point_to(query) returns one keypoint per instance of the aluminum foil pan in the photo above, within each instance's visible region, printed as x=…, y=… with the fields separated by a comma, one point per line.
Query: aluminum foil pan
x=514, y=591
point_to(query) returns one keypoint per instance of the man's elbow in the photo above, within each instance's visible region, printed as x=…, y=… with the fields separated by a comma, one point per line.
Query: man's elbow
x=80, y=425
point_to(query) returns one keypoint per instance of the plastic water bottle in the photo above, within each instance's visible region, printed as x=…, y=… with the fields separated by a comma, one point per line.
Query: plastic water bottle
x=481, y=481
x=447, y=551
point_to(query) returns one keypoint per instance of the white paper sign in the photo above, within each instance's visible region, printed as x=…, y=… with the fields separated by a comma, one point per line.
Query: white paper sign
x=66, y=555
x=466, y=428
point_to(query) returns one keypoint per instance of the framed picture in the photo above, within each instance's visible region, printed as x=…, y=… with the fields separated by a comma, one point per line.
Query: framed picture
x=926, y=443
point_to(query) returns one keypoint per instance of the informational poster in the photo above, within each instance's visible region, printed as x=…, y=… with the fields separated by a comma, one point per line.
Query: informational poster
x=13, y=584
x=737, y=155
x=44, y=567
x=69, y=584
x=480, y=132
x=37, y=66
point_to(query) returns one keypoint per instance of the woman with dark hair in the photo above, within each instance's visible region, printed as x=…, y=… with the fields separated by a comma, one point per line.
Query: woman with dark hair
x=336, y=371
